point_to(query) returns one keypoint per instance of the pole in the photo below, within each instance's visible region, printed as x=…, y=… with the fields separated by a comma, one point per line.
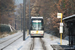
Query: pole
x=29, y=16
x=61, y=33
x=21, y=21
x=61, y=38
x=24, y=14
x=21, y=16
x=69, y=36
x=15, y=22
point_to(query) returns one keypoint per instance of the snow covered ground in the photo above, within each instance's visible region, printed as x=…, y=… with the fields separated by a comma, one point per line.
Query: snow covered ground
x=10, y=36
x=14, y=46
x=54, y=40
x=38, y=45
x=48, y=39
x=25, y=45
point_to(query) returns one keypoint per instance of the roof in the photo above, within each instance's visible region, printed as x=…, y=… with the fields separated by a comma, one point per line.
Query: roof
x=69, y=17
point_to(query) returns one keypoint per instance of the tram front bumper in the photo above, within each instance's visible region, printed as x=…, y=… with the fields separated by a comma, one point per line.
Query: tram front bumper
x=37, y=34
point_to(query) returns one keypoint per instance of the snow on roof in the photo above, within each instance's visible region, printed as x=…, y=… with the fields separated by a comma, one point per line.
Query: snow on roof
x=69, y=17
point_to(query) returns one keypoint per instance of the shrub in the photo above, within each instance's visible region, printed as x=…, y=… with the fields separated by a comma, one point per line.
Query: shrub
x=4, y=28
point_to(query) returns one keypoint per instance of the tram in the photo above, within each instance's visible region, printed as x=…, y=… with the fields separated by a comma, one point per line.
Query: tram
x=37, y=27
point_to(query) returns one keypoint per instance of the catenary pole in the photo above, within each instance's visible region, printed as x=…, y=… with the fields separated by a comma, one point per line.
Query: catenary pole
x=21, y=16
x=24, y=14
x=29, y=16
x=15, y=22
x=21, y=21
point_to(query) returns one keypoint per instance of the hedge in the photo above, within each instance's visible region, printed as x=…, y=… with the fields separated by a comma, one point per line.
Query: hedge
x=4, y=28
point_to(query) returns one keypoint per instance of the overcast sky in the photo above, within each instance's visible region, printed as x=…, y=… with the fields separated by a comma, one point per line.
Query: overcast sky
x=18, y=1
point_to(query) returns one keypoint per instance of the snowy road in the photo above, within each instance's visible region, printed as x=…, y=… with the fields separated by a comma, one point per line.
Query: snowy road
x=19, y=44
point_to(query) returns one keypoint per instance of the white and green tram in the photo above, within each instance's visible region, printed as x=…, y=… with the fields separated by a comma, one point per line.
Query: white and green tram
x=37, y=27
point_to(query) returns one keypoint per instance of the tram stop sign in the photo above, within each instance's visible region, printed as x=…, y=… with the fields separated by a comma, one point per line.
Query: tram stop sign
x=61, y=24
x=61, y=28
x=59, y=15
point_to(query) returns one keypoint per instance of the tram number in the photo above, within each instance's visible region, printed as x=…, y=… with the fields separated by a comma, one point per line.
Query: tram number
x=36, y=32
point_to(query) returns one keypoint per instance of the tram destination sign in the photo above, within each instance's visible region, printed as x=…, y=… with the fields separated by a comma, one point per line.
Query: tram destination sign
x=36, y=21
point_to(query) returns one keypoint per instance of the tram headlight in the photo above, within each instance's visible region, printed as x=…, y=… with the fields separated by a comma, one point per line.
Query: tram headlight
x=32, y=31
x=41, y=31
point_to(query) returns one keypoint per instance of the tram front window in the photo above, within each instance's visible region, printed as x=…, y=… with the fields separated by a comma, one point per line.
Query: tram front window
x=36, y=25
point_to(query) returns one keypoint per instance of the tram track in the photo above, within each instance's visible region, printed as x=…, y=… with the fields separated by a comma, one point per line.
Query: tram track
x=32, y=45
x=8, y=39
x=43, y=44
x=11, y=42
x=43, y=47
